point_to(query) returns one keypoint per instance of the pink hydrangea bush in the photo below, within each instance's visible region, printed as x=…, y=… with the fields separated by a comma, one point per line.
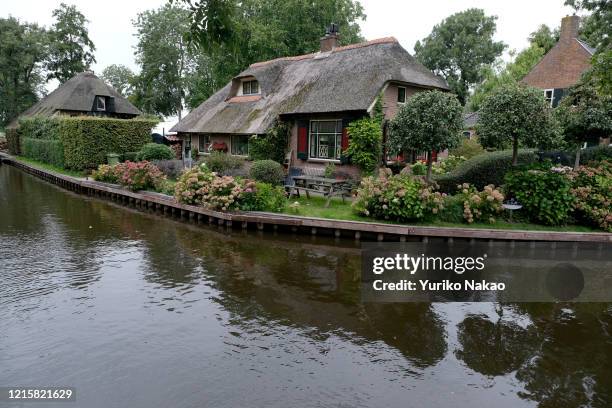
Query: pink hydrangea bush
x=482, y=205
x=397, y=197
x=193, y=184
x=106, y=174
x=592, y=187
x=139, y=175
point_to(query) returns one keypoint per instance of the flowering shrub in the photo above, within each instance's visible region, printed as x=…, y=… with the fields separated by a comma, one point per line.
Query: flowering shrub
x=397, y=197
x=448, y=164
x=139, y=176
x=259, y=196
x=592, y=187
x=191, y=185
x=482, y=205
x=544, y=194
x=106, y=174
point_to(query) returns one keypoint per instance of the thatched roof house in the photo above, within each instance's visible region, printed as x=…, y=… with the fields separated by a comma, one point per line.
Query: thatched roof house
x=83, y=94
x=318, y=93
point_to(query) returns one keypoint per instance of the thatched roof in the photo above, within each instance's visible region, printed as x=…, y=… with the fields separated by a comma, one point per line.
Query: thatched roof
x=346, y=79
x=77, y=95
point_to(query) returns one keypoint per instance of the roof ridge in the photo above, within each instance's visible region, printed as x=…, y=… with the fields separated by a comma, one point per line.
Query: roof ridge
x=383, y=40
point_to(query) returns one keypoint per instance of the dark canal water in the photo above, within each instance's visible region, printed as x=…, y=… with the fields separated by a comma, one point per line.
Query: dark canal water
x=134, y=310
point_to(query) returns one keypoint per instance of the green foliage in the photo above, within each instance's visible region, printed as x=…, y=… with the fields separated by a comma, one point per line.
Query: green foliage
x=601, y=72
x=87, y=140
x=267, y=171
x=544, y=194
x=39, y=140
x=596, y=153
x=584, y=115
x=592, y=187
x=428, y=121
x=396, y=197
x=200, y=186
x=135, y=176
x=119, y=77
x=459, y=48
x=330, y=169
x=189, y=188
x=513, y=115
x=365, y=143
x=155, y=151
x=222, y=163
x=484, y=169
x=106, y=174
x=448, y=164
x=482, y=205
x=468, y=149
x=70, y=49
x=263, y=197
x=12, y=140
x=272, y=145
x=129, y=156
x=22, y=55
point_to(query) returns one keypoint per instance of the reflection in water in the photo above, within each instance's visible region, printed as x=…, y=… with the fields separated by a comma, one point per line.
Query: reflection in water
x=136, y=310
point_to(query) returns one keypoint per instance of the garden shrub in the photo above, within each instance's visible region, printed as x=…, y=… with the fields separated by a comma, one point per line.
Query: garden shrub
x=447, y=164
x=596, y=153
x=484, y=169
x=129, y=156
x=155, y=151
x=545, y=194
x=468, y=149
x=222, y=163
x=39, y=140
x=12, y=140
x=258, y=196
x=272, y=145
x=267, y=171
x=482, y=205
x=106, y=174
x=397, y=197
x=592, y=187
x=170, y=168
x=365, y=143
x=192, y=184
x=87, y=140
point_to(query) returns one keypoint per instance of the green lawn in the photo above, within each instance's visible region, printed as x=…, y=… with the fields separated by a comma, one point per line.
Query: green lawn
x=49, y=167
x=314, y=207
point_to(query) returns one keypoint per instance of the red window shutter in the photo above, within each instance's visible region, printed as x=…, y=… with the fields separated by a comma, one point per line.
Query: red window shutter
x=345, y=139
x=302, y=142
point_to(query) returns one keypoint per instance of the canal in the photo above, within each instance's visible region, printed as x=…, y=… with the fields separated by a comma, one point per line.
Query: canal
x=136, y=310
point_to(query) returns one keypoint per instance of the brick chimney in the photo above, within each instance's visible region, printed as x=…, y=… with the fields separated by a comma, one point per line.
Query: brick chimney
x=330, y=41
x=569, y=28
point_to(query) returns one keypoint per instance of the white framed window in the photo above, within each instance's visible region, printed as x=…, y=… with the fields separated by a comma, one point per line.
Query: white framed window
x=401, y=94
x=250, y=87
x=100, y=103
x=549, y=95
x=240, y=145
x=204, y=143
x=325, y=139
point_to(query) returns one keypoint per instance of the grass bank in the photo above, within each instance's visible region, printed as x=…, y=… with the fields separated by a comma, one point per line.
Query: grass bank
x=49, y=167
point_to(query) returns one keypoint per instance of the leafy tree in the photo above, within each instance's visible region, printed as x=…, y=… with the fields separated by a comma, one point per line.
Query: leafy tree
x=165, y=58
x=584, y=115
x=119, y=77
x=541, y=41
x=515, y=114
x=428, y=121
x=459, y=48
x=365, y=143
x=71, y=50
x=260, y=30
x=22, y=52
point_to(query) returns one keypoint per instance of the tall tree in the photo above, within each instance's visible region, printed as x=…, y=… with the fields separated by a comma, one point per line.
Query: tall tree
x=22, y=51
x=540, y=42
x=459, y=48
x=428, y=121
x=119, y=77
x=165, y=58
x=71, y=51
x=514, y=114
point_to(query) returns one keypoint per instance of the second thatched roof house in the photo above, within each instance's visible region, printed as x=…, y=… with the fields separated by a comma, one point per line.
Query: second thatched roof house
x=83, y=94
x=318, y=94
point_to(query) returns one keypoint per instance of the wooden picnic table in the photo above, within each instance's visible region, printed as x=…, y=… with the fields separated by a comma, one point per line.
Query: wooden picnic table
x=327, y=186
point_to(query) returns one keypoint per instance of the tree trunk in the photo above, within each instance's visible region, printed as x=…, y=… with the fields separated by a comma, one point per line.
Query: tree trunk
x=577, y=161
x=515, y=151
x=429, y=163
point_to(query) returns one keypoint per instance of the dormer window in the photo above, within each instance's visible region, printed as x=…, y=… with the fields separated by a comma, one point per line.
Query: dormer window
x=250, y=87
x=100, y=103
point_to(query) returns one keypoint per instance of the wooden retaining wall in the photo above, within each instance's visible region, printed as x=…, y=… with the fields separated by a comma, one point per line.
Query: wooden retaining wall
x=280, y=222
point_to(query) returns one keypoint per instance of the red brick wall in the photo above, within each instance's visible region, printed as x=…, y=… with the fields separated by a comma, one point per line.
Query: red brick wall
x=390, y=105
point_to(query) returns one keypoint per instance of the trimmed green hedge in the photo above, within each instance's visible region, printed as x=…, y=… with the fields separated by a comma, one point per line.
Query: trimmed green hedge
x=486, y=168
x=87, y=140
x=39, y=140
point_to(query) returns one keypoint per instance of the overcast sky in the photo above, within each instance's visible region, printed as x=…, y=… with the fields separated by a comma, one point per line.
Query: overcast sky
x=111, y=29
